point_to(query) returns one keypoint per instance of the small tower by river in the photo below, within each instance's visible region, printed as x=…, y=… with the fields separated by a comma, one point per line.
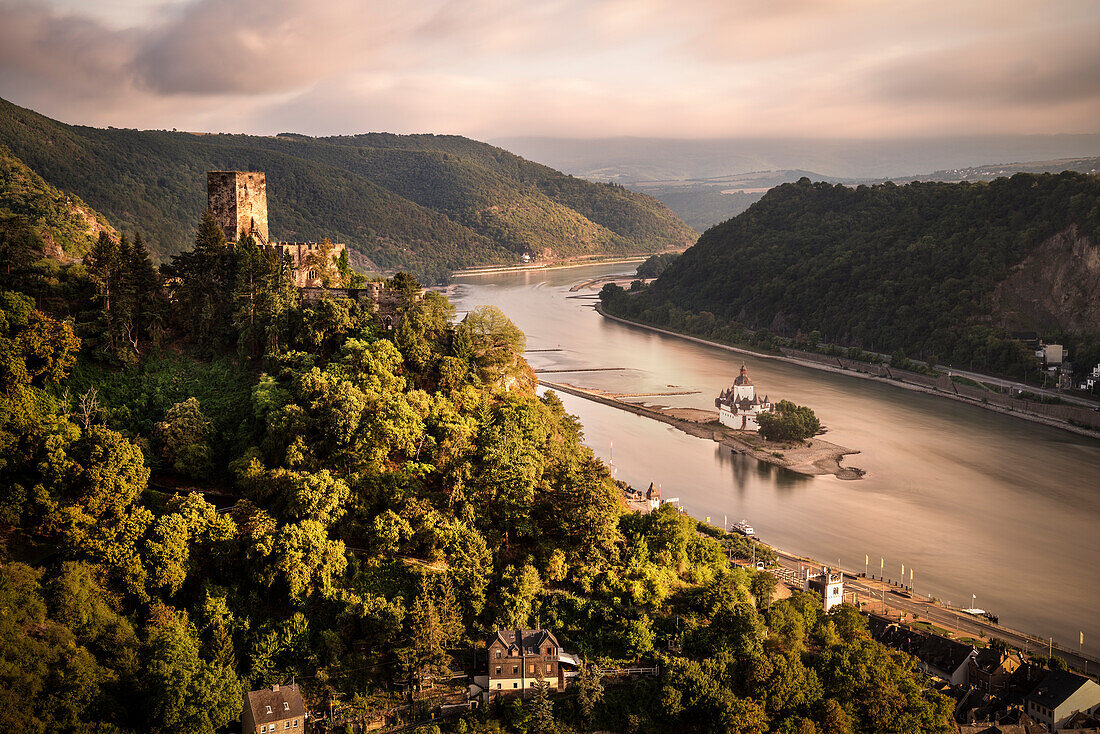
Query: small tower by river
x=739, y=405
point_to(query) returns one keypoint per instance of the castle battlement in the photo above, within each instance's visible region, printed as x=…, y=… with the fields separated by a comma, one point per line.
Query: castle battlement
x=238, y=201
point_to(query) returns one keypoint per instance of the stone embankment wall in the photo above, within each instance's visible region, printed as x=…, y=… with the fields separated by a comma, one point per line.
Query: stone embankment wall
x=1069, y=413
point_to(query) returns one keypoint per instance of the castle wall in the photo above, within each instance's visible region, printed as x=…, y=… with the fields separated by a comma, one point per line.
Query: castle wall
x=740, y=421
x=238, y=200
x=306, y=257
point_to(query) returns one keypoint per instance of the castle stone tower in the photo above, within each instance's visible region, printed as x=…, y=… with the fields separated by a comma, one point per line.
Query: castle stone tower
x=238, y=200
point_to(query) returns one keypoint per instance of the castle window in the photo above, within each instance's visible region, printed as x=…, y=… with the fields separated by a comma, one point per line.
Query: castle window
x=312, y=273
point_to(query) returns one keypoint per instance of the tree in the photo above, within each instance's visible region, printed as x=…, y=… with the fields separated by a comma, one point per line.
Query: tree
x=789, y=422
x=302, y=560
x=204, y=283
x=48, y=681
x=763, y=588
x=183, y=436
x=470, y=564
x=348, y=276
x=324, y=266
x=541, y=707
x=183, y=692
x=519, y=587
x=589, y=689
x=97, y=482
x=20, y=247
x=490, y=341
x=434, y=625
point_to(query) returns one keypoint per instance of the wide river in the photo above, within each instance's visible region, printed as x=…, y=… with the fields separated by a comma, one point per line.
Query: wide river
x=973, y=502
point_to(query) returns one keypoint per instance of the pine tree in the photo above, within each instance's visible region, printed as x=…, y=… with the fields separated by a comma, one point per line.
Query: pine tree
x=431, y=632
x=248, y=284
x=104, y=268
x=589, y=688
x=541, y=708
x=204, y=284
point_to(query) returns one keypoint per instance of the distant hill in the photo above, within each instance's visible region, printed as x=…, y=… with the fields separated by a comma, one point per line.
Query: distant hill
x=629, y=160
x=704, y=202
x=68, y=227
x=930, y=268
x=424, y=203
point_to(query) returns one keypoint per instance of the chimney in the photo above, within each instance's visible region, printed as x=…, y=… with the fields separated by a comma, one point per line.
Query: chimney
x=275, y=688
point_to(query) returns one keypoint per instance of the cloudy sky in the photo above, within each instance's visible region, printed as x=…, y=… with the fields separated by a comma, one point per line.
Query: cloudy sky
x=575, y=68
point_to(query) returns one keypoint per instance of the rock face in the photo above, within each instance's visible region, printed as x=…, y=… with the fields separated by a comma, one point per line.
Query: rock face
x=1056, y=287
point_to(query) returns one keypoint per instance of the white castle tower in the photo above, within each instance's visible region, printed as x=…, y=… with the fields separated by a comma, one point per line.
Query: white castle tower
x=738, y=406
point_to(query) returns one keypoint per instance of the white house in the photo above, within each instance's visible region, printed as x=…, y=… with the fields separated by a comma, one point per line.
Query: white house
x=1060, y=695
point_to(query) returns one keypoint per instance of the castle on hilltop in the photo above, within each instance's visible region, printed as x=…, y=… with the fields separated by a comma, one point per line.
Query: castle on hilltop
x=739, y=405
x=238, y=201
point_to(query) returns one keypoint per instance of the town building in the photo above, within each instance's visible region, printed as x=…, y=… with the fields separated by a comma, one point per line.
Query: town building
x=1092, y=380
x=276, y=709
x=1051, y=355
x=1060, y=695
x=238, y=201
x=992, y=669
x=936, y=656
x=653, y=496
x=519, y=659
x=738, y=406
x=828, y=586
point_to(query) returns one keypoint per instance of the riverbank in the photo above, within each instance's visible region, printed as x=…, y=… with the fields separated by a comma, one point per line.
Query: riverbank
x=815, y=457
x=1053, y=423
x=556, y=265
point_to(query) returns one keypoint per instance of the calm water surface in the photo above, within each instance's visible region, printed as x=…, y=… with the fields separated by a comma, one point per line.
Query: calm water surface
x=973, y=501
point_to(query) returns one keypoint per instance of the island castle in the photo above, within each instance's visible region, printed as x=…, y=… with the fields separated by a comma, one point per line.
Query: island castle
x=238, y=201
x=739, y=405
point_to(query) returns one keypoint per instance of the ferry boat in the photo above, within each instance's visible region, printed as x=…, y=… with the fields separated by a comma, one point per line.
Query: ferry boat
x=744, y=528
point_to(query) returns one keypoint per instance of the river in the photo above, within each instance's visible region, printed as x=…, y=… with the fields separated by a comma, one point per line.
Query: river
x=971, y=501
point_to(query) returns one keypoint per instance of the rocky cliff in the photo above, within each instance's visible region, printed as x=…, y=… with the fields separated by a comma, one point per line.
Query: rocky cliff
x=1056, y=287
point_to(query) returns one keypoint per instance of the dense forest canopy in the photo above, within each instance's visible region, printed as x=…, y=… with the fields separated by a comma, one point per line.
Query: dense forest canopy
x=424, y=203
x=888, y=267
x=208, y=486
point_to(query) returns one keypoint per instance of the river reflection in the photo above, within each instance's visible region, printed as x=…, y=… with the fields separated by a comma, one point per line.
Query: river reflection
x=976, y=502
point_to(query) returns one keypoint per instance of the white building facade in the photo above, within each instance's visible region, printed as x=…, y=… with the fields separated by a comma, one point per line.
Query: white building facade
x=739, y=405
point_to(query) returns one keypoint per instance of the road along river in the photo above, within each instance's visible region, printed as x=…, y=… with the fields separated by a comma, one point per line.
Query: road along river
x=971, y=502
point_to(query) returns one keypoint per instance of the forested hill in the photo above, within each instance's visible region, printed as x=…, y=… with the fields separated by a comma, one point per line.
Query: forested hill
x=66, y=225
x=930, y=268
x=424, y=203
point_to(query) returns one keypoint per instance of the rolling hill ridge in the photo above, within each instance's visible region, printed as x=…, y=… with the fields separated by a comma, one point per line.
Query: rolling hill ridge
x=424, y=203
